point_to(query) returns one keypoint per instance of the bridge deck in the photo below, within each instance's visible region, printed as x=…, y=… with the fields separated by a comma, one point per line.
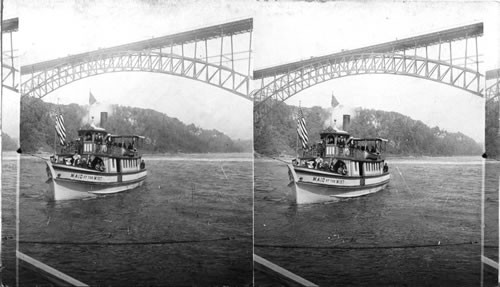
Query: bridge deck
x=493, y=74
x=207, y=33
x=397, y=45
x=10, y=25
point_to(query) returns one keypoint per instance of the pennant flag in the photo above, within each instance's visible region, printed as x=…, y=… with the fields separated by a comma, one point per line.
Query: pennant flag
x=334, y=101
x=92, y=100
x=61, y=131
x=302, y=129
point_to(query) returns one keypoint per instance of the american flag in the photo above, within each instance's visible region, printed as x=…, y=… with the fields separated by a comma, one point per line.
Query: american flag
x=61, y=131
x=302, y=129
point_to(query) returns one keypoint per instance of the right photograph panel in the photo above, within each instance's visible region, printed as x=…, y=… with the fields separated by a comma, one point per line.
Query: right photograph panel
x=369, y=123
x=490, y=215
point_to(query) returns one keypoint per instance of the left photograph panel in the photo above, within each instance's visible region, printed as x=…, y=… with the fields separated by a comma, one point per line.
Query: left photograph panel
x=136, y=144
x=9, y=135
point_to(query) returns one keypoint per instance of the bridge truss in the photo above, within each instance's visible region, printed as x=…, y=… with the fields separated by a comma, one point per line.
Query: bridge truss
x=492, y=91
x=9, y=79
x=450, y=57
x=490, y=220
x=219, y=55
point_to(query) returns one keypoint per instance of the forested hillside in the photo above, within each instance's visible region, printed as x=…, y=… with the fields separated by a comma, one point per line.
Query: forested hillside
x=276, y=132
x=163, y=133
x=8, y=143
x=492, y=140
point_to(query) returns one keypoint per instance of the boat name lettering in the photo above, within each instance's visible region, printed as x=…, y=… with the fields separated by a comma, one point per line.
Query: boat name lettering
x=85, y=176
x=327, y=180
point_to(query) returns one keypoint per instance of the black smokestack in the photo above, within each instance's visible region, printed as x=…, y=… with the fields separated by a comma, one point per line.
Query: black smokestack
x=346, y=122
x=104, y=118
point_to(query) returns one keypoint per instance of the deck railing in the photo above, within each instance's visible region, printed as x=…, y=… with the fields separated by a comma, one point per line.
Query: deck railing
x=336, y=151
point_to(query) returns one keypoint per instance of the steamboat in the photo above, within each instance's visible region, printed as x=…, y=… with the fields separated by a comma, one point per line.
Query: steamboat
x=338, y=166
x=96, y=163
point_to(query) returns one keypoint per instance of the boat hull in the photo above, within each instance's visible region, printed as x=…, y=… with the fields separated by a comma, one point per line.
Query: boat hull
x=315, y=186
x=67, y=182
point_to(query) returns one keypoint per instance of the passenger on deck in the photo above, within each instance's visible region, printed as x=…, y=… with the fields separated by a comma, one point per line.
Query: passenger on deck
x=75, y=159
x=310, y=164
x=318, y=162
x=332, y=166
x=321, y=149
x=341, y=142
x=122, y=148
x=78, y=145
x=143, y=164
x=84, y=162
x=97, y=164
x=340, y=167
x=89, y=163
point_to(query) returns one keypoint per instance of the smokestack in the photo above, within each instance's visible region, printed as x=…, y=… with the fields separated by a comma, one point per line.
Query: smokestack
x=346, y=122
x=104, y=118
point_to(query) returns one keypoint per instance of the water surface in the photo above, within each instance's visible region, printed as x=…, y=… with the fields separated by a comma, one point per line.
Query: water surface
x=422, y=230
x=190, y=224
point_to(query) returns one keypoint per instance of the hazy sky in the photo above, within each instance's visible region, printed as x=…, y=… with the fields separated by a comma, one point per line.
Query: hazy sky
x=283, y=32
x=52, y=29
x=286, y=32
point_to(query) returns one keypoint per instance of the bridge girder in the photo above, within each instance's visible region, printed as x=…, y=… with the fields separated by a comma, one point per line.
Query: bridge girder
x=212, y=59
x=9, y=71
x=285, y=86
x=450, y=57
x=492, y=91
x=407, y=44
x=43, y=83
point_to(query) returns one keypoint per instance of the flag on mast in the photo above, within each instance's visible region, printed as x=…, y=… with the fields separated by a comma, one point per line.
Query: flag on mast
x=334, y=101
x=92, y=100
x=302, y=129
x=60, y=130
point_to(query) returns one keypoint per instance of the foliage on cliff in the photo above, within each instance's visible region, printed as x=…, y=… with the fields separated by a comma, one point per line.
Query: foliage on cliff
x=163, y=133
x=275, y=133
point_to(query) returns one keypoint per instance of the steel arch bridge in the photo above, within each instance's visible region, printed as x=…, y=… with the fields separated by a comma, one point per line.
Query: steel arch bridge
x=443, y=57
x=9, y=63
x=492, y=91
x=219, y=55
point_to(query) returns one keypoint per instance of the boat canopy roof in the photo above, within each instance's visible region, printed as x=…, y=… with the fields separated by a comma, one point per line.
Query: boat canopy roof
x=126, y=136
x=96, y=130
x=369, y=139
x=91, y=130
x=332, y=131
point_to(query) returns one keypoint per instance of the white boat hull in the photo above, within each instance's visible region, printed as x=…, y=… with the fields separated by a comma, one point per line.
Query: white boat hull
x=67, y=182
x=314, y=186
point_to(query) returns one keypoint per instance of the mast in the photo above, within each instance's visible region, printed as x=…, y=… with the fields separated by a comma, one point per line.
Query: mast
x=88, y=110
x=55, y=131
x=297, y=136
x=55, y=138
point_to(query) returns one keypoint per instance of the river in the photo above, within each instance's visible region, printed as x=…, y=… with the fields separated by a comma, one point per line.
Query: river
x=190, y=224
x=422, y=230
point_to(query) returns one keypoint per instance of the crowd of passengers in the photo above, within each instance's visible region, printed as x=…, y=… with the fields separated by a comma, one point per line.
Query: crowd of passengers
x=332, y=165
x=93, y=162
x=320, y=147
x=104, y=146
x=336, y=166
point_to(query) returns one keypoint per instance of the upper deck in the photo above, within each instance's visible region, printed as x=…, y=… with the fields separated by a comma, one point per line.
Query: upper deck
x=97, y=141
x=339, y=144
